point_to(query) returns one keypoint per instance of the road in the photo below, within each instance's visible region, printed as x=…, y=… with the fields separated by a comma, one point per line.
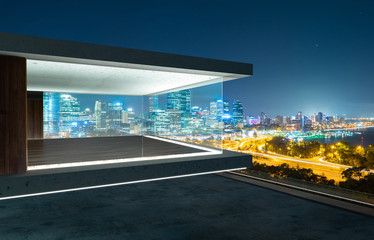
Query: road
x=318, y=165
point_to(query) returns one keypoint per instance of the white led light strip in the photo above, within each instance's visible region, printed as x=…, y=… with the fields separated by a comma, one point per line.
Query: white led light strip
x=208, y=151
x=116, y=184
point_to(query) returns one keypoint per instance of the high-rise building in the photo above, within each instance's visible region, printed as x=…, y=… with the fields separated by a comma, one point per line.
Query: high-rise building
x=172, y=100
x=307, y=123
x=160, y=122
x=186, y=101
x=153, y=103
x=213, y=110
x=312, y=118
x=299, y=116
x=288, y=120
x=101, y=114
x=128, y=116
x=262, y=118
x=205, y=116
x=219, y=109
x=51, y=114
x=226, y=107
x=69, y=112
x=175, y=119
x=319, y=118
x=226, y=118
x=115, y=114
x=237, y=112
x=180, y=100
x=279, y=119
x=213, y=120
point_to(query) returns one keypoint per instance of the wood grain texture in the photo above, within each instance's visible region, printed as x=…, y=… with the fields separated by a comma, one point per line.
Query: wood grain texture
x=13, y=97
x=34, y=119
x=53, y=151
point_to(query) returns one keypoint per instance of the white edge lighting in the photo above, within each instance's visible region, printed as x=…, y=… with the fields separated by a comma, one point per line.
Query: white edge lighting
x=208, y=151
x=116, y=184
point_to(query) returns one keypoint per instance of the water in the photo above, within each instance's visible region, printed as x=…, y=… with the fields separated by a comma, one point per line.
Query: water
x=362, y=136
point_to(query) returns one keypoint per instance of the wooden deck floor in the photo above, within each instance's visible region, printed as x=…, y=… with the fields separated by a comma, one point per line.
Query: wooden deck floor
x=53, y=151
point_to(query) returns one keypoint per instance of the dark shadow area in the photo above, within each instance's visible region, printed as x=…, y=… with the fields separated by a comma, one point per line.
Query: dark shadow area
x=202, y=207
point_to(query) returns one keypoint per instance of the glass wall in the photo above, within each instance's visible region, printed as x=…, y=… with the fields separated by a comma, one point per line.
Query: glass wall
x=193, y=115
x=68, y=115
x=185, y=121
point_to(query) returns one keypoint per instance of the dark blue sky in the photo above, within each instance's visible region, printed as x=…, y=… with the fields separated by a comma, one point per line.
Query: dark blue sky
x=308, y=55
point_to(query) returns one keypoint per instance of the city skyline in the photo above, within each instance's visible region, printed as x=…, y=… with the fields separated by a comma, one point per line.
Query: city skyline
x=63, y=115
x=88, y=101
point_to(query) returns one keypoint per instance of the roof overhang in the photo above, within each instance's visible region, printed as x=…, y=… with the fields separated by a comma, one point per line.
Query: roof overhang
x=65, y=66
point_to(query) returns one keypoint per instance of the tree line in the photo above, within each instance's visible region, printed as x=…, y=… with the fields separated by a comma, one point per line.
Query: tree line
x=341, y=152
x=356, y=178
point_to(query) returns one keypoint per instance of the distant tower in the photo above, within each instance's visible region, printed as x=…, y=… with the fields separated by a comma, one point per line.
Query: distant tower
x=226, y=107
x=319, y=117
x=51, y=113
x=299, y=116
x=279, y=119
x=115, y=114
x=263, y=118
x=172, y=100
x=226, y=112
x=128, y=116
x=237, y=112
x=100, y=114
x=69, y=112
x=153, y=103
x=220, y=110
x=180, y=100
x=213, y=110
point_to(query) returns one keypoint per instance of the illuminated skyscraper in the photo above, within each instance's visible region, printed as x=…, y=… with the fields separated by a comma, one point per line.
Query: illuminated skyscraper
x=101, y=114
x=180, y=100
x=51, y=114
x=226, y=117
x=175, y=119
x=237, y=112
x=213, y=119
x=160, y=122
x=115, y=114
x=299, y=116
x=219, y=109
x=153, y=103
x=213, y=110
x=186, y=101
x=279, y=119
x=226, y=107
x=205, y=116
x=319, y=117
x=69, y=113
x=262, y=118
x=128, y=116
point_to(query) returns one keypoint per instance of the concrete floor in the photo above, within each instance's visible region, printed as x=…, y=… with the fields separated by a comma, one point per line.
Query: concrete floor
x=202, y=207
x=70, y=150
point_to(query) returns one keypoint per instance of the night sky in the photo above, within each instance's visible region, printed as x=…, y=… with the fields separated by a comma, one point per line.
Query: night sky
x=308, y=55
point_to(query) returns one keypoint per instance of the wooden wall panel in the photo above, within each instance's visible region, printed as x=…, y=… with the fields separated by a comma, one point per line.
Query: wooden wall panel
x=34, y=119
x=13, y=97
